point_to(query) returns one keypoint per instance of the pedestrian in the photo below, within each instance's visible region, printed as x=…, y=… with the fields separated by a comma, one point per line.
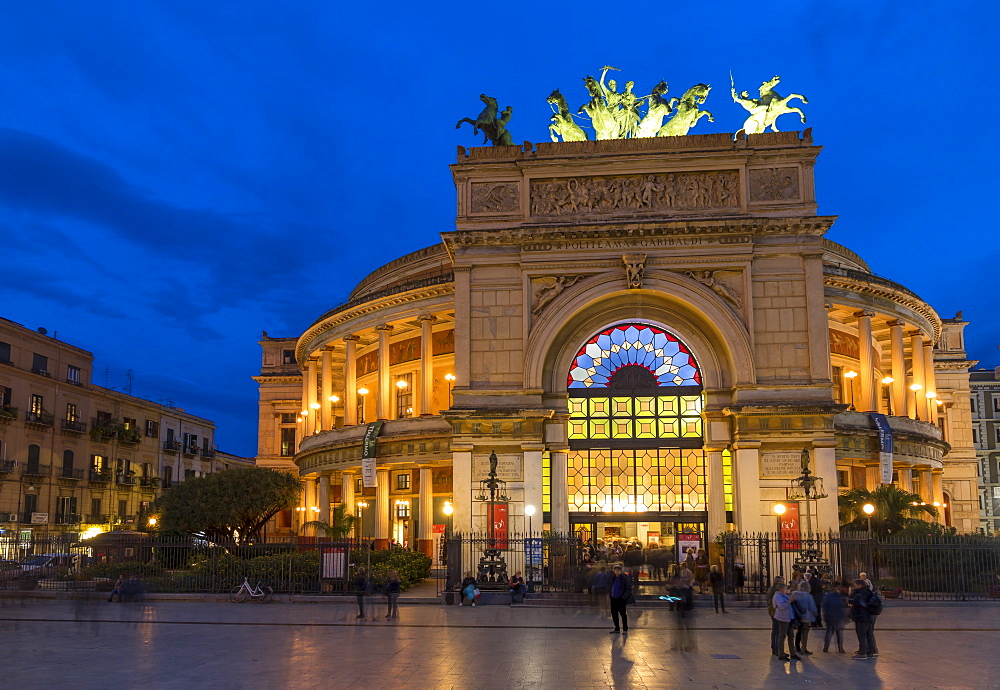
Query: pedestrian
x=632, y=559
x=360, y=587
x=470, y=589
x=769, y=596
x=816, y=586
x=620, y=596
x=392, y=596
x=516, y=585
x=861, y=603
x=739, y=578
x=718, y=583
x=701, y=570
x=834, y=602
x=786, y=620
x=601, y=587
x=805, y=611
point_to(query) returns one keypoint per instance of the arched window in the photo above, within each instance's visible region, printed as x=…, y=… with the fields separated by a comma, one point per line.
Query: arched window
x=635, y=428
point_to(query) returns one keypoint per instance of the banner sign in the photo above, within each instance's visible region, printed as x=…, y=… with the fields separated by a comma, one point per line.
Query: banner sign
x=884, y=445
x=39, y=518
x=334, y=563
x=368, y=455
x=790, y=529
x=498, y=524
x=533, y=552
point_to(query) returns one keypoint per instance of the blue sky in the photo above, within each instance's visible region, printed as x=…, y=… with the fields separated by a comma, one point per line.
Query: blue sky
x=177, y=177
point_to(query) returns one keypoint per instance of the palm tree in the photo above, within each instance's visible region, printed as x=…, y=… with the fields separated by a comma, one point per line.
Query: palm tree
x=894, y=509
x=343, y=523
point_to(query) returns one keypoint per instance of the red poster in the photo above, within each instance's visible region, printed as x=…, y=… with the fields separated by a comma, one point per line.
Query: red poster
x=498, y=524
x=790, y=532
x=439, y=529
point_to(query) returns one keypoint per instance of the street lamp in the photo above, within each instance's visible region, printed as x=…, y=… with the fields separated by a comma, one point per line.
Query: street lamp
x=887, y=382
x=850, y=376
x=916, y=387
x=868, y=508
x=450, y=378
x=315, y=408
x=779, y=510
x=529, y=510
x=362, y=392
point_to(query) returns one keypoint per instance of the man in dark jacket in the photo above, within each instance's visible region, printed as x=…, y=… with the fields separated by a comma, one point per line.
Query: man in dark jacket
x=360, y=587
x=861, y=602
x=816, y=586
x=621, y=590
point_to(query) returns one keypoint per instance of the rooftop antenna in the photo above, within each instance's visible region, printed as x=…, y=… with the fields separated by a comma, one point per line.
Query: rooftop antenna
x=106, y=373
x=129, y=377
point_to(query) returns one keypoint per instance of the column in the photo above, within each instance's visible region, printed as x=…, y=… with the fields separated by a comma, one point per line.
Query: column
x=426, y=365
x=917, y=410
x=425, y=537
x=306, y=515
x=897, y=354
x=312, y=419
x=873, y=477
x=351, y=381
x=867, y=366
x=926, y=485
x=937, y=492
x=716, y=498
x=383, y=507
x=559, y=497
x=746, y=489
x=930, y=382
x=461, y=488
x=904, y=475
x=324, y=498
x=824, y=460
x=383, y=406
x=326, y=419
x=532, y=472
x=304, y=407
x=347, y=498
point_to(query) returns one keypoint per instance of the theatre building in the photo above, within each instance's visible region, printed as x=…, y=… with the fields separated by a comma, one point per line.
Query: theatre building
x=648, y=333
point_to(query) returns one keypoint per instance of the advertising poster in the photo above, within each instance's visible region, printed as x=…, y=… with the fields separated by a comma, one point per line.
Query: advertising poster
x=790, y=529
x=498, y=524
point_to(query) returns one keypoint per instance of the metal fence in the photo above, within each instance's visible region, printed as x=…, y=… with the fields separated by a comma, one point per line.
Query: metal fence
x=188, y=565
x=547, y=562
x=956, y=567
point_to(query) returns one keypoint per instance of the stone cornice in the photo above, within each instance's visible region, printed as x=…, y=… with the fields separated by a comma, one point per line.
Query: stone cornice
x=855, y=281
x=291, y=378
x=308, y=339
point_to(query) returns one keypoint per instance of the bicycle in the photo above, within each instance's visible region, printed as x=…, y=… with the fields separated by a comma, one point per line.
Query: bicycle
x=260, y=594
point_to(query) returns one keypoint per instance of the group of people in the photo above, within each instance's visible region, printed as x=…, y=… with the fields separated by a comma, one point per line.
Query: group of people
x=655, y=561
x=808, y=601
x=469, y=589
x=365, y=586
x=128, y=588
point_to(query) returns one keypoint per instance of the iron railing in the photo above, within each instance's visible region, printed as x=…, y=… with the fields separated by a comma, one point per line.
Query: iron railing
x=547, y=562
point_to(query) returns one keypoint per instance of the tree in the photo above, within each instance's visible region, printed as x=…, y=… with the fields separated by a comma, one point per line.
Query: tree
x=895, y=509
x=233, y=505
x=343, y=523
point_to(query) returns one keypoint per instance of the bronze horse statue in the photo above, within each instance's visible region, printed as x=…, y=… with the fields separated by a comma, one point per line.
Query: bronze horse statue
x=562, y=120
x=601, y=115
x=686, y=113
x=493, y=127
x=764, y=111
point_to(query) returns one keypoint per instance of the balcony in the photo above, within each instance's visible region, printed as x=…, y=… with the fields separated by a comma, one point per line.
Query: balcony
x=172, y=446
x=35, y=470
x=73, y=426
x=94, y=519
x=207, y=454
x=124, y=479
x=25, y=518
x=39, y=419
x=190, y=452
x=98, y=476
x=41, y=372
x=149, y=482
x=74, y=382
x=70, y=473
x=67, y=519
x=124, y=519
x=7, y=466
x=8, y=413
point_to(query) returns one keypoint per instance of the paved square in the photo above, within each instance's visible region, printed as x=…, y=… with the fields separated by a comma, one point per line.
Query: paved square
x=161, y=644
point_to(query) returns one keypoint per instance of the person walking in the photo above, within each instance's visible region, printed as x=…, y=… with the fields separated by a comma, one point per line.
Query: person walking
x=718, y=582
x=769, y=597
x=620, y=596
x=360, y=587
x=392, y=596
x=785, y=619
x=816, y=587
x=861, y=602
x=833, y=605
x=805, y=614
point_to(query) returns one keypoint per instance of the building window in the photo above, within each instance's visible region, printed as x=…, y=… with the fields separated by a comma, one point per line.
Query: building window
x=103, y=417
x=288, y=417
x=129, y=423
x=67, y=462
x=838, y=392
x=98, y=462
x=288, y=356
x=996, y=433
x=359, y=486
x=843, y=479
x=152, y=429
x=168, y=476
x=34, y=458
x=71, y=412
x=973, y=406
x=403, y=481
x=5, y=353
x=975, y=435
x=287, y=442
x=402, y=509
x=40, y=364
x=122, y=509
x=404, y=396
x=95, y=510
x=190, y=443
x=73, y=375
x=6, y=396
x=996, y=403
x=37, y=404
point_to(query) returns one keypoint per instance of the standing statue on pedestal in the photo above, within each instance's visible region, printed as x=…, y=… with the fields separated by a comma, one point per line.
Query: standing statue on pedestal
x=687, y=114
x=562, y=124
x=764, y=111
x=492, y=125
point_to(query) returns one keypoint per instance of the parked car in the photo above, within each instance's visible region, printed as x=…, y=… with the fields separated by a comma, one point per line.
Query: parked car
x=9, y=570
x=46, y=564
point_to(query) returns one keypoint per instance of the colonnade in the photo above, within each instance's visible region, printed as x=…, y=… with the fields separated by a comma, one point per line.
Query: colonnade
x=320, y=403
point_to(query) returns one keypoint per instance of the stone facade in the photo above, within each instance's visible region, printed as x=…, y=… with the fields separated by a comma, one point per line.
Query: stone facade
x=714, y=245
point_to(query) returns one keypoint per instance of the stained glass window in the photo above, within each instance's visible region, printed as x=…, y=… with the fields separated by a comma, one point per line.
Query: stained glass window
x=634, y=344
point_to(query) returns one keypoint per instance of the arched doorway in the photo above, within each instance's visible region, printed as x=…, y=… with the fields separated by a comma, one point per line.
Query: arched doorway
x=636, y=465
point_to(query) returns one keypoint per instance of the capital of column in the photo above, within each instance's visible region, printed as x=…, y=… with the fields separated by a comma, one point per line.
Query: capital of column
x=383, y=327
x=864, y=313
x=351, y=338
x=897, y=322
x=426, y=317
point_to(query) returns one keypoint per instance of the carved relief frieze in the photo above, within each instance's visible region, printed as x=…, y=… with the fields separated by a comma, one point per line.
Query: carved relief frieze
x=547, y=288
x=495, y=197
x=723, y=283
x=653, y=193
x=774, y=184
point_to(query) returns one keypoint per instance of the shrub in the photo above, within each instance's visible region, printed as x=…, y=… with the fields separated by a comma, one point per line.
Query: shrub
x=411, y=566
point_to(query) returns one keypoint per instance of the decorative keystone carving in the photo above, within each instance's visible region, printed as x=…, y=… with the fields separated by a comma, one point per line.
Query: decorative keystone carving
x=717, y=282
x=547, y=288
x=635, y=266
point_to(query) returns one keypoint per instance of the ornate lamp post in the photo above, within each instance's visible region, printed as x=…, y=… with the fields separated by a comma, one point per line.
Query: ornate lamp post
x=887, y=382
x=916, y=387
x=779, y=511
x=850, y=376
x=868, y=509
x=492, y=566
x=362, y=392
x=450, y=378
x=808, y=488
